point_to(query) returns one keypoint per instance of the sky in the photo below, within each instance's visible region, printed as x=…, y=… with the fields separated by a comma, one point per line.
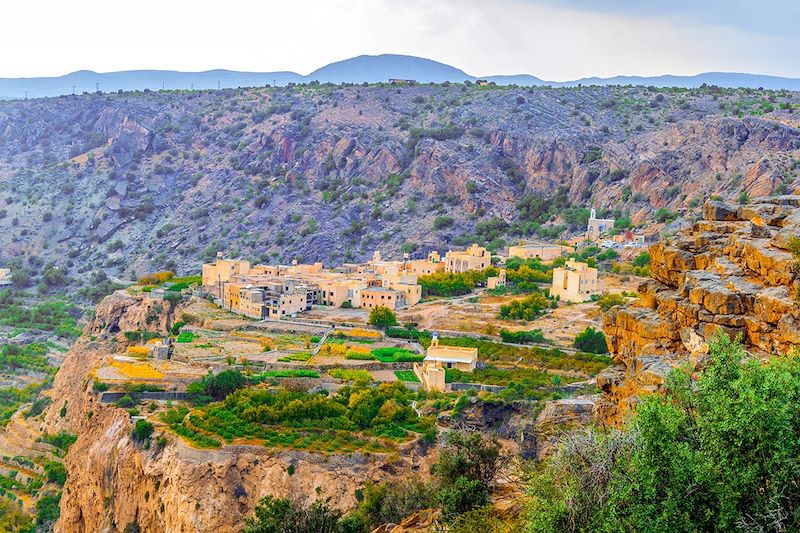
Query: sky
x=555, y=40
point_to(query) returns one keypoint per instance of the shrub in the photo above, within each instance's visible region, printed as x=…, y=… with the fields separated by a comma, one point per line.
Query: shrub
x=592, y=341
x=522, y=337
x=142, y=430
x=185, y=336
x=157, y=278
x=56, y=473
x=443, y=222
x=665, y=215
x=608, y=300
x=714, y=453
x=525, y=309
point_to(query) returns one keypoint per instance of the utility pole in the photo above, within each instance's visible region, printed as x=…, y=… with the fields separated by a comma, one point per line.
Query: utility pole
x=97, y=86
x=26, y=95
x=274, y=82
x=73, y=89
x=218, y=85
x=162, y=85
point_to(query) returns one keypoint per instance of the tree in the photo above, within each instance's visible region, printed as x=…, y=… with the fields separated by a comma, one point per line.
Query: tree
x=281, y=515
x=466, y=471
x=715, y=453
x=592, y=341
x=382, y=317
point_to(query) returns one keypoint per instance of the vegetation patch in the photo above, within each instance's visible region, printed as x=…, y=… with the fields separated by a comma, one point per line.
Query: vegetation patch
x=350, y=374
x=406, y=375
x=397, y=355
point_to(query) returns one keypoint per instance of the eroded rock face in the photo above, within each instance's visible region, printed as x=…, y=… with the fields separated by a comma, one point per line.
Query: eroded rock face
x=732, y=273
x=114, y=482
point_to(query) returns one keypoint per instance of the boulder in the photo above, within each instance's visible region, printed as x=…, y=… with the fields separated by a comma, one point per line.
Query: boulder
x=714, y=210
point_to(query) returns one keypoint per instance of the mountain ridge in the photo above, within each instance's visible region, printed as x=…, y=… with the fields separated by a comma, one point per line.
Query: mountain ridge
x=359, y=69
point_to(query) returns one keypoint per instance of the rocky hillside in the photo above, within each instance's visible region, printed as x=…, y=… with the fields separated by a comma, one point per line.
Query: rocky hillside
x=734, y=272
x=133, y=182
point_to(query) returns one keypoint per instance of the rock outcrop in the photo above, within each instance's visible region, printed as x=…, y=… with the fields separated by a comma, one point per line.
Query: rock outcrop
x=731, y=272
x=114, y=482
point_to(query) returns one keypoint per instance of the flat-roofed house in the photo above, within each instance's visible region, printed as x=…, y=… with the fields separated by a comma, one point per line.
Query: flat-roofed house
x=575, y=282
x=5, y=277
x=377, y=296
x=433, y=369
x=473, y=258
x=544, y=252
x=217, y=274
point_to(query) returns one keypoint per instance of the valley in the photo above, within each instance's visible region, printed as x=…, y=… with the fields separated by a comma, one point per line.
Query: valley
x=394, y=308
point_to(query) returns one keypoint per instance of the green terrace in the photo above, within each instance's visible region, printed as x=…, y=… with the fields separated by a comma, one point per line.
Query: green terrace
x=499, y=353
x=357, y=418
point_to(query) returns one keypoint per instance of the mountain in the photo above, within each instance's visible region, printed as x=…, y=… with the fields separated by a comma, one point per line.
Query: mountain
x=720, y=79
x=129, y=183
x=370, y=69
x=376, y=69
x=133, y=80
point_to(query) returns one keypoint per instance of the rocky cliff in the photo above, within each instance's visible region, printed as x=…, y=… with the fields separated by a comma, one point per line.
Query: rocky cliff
x=135, y=182
x=731, y=272
x=114, y=482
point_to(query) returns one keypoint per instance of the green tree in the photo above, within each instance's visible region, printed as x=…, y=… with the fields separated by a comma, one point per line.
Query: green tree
x=382, y=317
x=592, y=341
x=717, y=453
x=280, y=515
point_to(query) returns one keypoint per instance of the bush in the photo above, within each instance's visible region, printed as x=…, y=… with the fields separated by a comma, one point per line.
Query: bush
x=608, y=300
x=157, y=278
x=56, y=473
x=522, y=337
x=591, y=341
x=142, y=430
x=525, y=309
x=215, y=387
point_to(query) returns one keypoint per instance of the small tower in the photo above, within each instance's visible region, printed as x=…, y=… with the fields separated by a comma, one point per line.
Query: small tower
x=376, y=256
x=435, y=340
x=593, y=214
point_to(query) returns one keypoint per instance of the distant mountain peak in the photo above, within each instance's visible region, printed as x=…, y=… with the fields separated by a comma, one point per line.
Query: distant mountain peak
x=379, y=68
x=364, y=68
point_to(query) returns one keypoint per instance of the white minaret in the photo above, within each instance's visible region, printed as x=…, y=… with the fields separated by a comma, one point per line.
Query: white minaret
x=592, y=214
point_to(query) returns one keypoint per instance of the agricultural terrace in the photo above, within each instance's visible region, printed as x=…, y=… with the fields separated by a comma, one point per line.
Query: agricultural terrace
x=356, y=418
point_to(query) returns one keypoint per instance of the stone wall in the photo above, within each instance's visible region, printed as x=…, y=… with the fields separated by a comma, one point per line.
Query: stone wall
x=731, y=272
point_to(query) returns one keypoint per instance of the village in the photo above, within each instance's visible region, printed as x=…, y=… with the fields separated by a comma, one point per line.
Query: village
x=312, y=322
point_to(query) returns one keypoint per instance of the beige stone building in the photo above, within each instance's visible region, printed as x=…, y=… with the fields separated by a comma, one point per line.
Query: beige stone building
x=5, y=277
x=383, y=297
x=598, y=226
x=575, y=282
x=494, y=282
x=424, y=267
x=432, y=371
x=222, y=271
x=473, y=258
x=545, y=252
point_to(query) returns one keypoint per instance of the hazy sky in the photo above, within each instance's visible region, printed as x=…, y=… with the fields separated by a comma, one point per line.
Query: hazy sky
x=552, y=39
